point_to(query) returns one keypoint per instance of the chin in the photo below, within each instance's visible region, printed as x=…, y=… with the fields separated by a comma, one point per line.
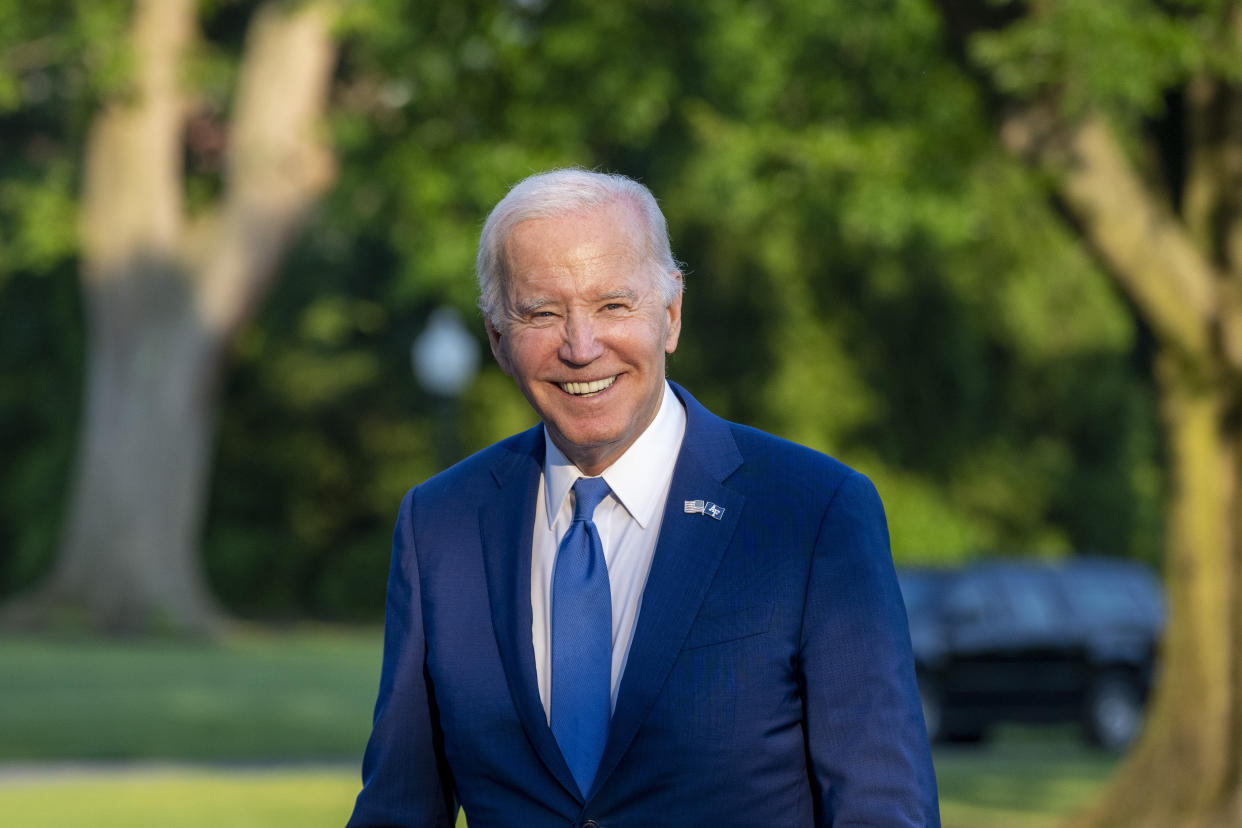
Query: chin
x=590, y=442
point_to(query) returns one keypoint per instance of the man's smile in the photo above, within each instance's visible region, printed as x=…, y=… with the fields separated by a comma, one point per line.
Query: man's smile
x=587, y=389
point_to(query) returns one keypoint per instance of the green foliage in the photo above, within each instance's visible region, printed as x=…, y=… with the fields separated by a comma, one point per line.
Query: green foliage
x=41, y=351
x=866, y=272
x=54, y=57
x=1123, y=55
x=59, y=52
x=1126, y=50
x=41, y=233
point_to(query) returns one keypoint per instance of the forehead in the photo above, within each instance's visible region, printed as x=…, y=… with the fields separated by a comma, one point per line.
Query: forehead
x=598, y=241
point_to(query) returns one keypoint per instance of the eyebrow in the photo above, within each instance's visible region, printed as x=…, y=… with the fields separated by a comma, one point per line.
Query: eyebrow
x=529, y=306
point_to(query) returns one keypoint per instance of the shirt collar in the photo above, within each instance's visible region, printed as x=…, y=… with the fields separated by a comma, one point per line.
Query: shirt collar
x=634, y=475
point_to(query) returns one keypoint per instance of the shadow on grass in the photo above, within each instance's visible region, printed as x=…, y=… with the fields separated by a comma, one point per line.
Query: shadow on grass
x=255, y=696
x=1026, y=778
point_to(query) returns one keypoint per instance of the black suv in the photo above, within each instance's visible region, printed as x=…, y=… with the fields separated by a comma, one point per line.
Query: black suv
x=1026, y=641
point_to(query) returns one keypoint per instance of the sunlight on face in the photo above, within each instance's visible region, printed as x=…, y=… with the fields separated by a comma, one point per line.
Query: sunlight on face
x=586, y=330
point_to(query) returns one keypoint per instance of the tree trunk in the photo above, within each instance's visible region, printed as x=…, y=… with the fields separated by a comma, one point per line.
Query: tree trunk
x=129, y=560
x=164, y=297
x=1186, y=769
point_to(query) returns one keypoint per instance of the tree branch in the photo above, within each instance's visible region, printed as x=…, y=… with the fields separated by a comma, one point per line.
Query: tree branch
x=1213, y=195
x=1147, y=249
x=277, y=164
x=132, y=196
x=1213, y=198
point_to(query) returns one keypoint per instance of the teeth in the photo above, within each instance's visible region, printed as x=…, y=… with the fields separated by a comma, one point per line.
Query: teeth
x=582, y=389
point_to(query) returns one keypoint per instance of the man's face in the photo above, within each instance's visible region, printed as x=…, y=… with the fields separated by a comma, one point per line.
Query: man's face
x=586, y=330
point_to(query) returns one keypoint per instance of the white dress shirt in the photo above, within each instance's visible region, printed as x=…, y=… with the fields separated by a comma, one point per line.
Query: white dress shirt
x=628, y=521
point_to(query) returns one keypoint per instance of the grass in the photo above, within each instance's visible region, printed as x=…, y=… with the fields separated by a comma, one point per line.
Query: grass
x=237, y=734
x=182, y=797
x=1024, y=778
x=255, y=696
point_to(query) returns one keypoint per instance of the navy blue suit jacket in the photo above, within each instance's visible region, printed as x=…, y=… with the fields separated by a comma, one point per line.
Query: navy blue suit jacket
x=770, y=680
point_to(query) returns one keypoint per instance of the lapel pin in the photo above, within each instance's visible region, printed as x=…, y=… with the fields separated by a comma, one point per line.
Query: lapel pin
x=704, y=507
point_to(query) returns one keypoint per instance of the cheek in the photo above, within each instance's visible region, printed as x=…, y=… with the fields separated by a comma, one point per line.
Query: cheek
x=527, y=353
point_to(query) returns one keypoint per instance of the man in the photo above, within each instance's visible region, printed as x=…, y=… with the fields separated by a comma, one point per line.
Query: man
x=634, y=614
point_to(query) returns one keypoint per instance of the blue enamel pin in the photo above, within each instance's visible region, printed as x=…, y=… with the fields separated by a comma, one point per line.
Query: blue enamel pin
x=704, y=507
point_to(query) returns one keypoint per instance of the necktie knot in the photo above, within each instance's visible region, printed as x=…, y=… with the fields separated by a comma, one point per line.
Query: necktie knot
x=588, y=492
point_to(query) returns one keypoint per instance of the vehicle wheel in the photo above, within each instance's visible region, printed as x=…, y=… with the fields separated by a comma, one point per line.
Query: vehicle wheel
x=964, y=733
x=952, y=726
x=1113, y=714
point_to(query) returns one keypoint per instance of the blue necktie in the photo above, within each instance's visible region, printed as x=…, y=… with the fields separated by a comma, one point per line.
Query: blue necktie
x=582, y=638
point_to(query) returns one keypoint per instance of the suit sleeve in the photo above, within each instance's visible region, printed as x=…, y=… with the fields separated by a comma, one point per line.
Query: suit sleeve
x=867, y=748
x=406, y=781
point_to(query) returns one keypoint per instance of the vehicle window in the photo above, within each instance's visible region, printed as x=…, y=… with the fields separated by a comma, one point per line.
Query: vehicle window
x=1098, y=596
x=970, y=602
x=918, y=591
x=1033, y=600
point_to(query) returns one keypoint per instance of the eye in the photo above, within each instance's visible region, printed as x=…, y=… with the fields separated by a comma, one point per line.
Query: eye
x=614, y=306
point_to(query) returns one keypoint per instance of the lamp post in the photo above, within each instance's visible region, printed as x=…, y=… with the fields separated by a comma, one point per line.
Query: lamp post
x=445, y=358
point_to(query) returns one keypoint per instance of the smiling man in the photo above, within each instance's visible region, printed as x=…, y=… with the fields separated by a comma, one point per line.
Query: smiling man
x=636, y=613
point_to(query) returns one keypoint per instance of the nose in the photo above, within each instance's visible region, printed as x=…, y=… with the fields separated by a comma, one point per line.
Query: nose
x=580, y=344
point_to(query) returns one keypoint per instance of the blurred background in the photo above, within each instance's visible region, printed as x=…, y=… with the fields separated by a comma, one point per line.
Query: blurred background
x=985, y=252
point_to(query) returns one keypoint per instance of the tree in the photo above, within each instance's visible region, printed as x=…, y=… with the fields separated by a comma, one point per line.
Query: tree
x=868, y=273
x=165, y=293
x=1133, y=113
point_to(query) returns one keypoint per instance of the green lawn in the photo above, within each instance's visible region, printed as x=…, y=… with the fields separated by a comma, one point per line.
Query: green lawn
x=1024, y=778
x=182, y=797
x=254, y=696
x=303, y=701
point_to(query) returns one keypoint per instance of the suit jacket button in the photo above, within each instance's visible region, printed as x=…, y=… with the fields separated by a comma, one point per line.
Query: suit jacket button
x=590, y=823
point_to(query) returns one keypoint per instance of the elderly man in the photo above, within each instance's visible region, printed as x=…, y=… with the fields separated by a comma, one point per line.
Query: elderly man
x=635, y=613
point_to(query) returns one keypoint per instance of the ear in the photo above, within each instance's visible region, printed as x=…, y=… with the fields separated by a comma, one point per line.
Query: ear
x=499, y=348
x=674, y=318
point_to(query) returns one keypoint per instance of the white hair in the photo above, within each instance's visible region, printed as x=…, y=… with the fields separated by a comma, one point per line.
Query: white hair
x=557, y=193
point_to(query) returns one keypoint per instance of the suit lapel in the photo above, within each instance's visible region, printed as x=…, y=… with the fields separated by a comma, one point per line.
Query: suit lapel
x=506, y=526
x=687, y=554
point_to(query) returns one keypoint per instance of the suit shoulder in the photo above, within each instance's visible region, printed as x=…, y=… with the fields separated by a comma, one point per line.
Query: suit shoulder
x=786, y=466
x=478, y=472
x=781, y=472
x=777, y=453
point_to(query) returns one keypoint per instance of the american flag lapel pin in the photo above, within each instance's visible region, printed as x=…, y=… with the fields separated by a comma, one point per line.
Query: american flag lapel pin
x=704, y=507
